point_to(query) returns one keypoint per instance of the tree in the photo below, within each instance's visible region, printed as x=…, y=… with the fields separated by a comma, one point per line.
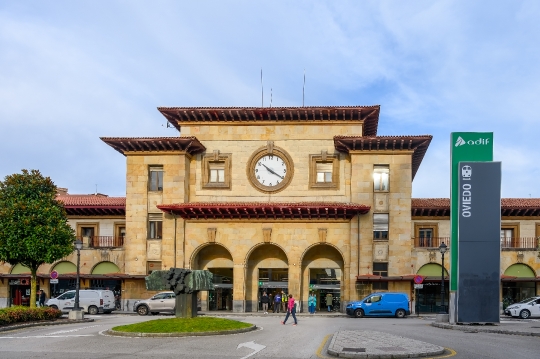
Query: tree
x=33, y=224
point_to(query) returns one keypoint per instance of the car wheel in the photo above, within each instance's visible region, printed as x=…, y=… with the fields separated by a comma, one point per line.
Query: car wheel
x=359, y=313
x=54, y=307
x=524, y=314
x=142, y=310
x=92, y=310
x=400, y=313
x=154, y=313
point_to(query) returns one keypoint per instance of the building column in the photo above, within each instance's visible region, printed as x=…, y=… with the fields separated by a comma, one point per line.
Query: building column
x=239, y=288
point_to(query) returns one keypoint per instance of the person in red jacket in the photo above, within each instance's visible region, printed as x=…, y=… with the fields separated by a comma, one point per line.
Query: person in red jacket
x=291, y=310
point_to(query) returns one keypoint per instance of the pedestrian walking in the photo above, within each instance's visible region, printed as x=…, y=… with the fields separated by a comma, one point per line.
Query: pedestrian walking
x=283, y=301
x=291, y=310
x=329, y=298
x=265, y=300
x=312, y=303
x=277, y=302
x=41, y=298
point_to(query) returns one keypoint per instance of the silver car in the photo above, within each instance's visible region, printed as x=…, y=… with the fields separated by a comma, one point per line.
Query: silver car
x=161, y=302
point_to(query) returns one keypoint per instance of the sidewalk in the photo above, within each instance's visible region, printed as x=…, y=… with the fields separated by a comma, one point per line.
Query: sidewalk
x=509, y=326
x=227, y=313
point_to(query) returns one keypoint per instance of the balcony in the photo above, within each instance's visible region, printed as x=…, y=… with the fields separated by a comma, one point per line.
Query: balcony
x=99, y=242
x=431, y=243
x=521, y=243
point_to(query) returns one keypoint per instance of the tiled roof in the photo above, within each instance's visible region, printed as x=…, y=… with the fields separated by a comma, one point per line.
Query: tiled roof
x=418, y=144
x=368, y=114
x=189, y=144
x=509, y=207
x=265, y=210
x=93, y=205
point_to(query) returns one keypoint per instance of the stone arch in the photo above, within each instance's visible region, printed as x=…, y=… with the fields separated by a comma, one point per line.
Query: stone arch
x=431, y=269
x=20, y=269
x=322, y=260
x=63, y=267
x=197, y=251
x=105, y=268
x=520, y=270
x=256, y=246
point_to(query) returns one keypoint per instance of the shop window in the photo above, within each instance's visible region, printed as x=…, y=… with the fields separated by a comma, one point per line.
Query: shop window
x=382, y=270
x=426, y=235
x=324, y=171
x=216, y=170
x=152, y=266
x=510, y=235
x=155, y=225
x=381, y=178
x=380, y=226
x=155, y=179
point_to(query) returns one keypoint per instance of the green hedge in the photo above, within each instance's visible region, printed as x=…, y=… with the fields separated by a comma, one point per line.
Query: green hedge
x=24, y=314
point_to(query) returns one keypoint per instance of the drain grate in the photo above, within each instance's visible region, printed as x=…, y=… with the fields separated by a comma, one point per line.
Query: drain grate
x=391, y=349
x=354, y=350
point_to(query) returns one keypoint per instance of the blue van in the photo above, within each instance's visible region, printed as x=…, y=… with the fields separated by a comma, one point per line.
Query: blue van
x=380, y=305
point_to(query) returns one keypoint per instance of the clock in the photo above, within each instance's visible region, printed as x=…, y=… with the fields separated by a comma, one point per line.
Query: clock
x=270, y=170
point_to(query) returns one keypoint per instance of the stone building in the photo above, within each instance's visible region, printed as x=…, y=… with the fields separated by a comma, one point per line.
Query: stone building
x=297, y=200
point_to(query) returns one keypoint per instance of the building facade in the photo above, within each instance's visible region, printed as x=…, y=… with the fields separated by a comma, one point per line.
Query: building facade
x=296, y=200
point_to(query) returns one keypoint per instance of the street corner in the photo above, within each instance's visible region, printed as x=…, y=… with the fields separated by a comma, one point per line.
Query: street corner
x=372, y=344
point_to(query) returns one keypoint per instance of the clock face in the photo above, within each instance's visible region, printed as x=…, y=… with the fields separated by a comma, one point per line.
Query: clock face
x=270, y=170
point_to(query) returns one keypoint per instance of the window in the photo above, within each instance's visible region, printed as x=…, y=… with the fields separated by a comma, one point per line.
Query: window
x=380, y=226
x=87, y=233
x=152, y=266
x=426, y=235
x=155, y=178
x=510, y=235
x=381, y=175
x=382, y=270
x=155, y=221
x=216, y=170
x=324, y=171
x=119, y=234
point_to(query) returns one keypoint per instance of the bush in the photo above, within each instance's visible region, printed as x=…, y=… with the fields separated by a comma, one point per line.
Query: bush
x=19, y=314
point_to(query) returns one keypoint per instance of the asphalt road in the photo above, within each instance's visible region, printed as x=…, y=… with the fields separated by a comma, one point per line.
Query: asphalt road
x=272, y=340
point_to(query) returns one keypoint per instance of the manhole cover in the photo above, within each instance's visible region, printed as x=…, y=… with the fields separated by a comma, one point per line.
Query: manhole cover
x=355, y=350
x=391, y=349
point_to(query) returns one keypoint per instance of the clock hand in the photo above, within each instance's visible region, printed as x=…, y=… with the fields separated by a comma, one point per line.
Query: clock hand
x=271, y=171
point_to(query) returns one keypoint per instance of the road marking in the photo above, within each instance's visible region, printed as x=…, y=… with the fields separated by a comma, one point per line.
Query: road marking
x=452, y=353
x=323, y=344
x=50, y=336
x=253, y=346
x=72, y=330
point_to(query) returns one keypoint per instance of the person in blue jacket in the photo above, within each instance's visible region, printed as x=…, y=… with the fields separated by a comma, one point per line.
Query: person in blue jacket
x=312, y=303
x=277, y=302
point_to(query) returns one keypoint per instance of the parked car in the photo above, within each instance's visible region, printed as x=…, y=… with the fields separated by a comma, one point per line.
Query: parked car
x=527, y=308
x=92, y=301
x=161, y=302
x=380, y=305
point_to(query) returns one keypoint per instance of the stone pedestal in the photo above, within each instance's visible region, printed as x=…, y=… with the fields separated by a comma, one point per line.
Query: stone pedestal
x=442, y=318
x=186, y=305
x=76, y=315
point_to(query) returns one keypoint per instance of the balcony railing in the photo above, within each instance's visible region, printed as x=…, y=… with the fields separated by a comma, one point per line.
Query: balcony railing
x=102, y=241
x=433, y=242
x=520, y=243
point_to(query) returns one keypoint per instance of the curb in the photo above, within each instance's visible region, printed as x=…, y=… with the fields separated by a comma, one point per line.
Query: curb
x=42, y=324
x=476, y=329
x=172, y=335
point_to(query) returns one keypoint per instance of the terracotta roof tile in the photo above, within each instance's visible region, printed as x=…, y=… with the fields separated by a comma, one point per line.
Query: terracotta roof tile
x=72, y=200
x=509, y=207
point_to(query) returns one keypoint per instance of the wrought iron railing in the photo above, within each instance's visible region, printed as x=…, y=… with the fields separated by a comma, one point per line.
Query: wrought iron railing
x=519, y=243
x=102, y=241
x=431, y=242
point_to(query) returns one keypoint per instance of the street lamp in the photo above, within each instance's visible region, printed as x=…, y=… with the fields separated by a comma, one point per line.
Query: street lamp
x=442, y=249
x=78, y=247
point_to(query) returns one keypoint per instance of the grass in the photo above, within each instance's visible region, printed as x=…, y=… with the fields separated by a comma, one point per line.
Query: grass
x=183, y=325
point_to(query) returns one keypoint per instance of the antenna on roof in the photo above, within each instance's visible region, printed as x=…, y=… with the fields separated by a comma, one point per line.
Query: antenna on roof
x=262, y=90
x=270, y=97
x=96, y=190
x=304, y=88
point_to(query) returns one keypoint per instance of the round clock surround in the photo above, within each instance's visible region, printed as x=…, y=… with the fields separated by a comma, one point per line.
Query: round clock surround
x=270, y=169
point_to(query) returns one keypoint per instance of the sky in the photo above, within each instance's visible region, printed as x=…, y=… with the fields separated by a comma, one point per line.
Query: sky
x=74, y=71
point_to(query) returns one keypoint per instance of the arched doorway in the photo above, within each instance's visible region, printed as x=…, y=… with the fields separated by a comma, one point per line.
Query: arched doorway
x=322, y=275
x=64, y=284
x=19, y=287
x=100, y=280
x=518, y=283
x=217, y=259
x=267, y=270
x=428, y=298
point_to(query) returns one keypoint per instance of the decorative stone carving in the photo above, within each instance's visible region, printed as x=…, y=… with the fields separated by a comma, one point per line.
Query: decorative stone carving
x=270, y=147
x=324, y=155
x=212, y=235
x=432, y=256
x=267, y=235
x=216, y=155
x=322, y=235
x=154, y=250
x=380, y=252
x=520, y=257
x=380, y=203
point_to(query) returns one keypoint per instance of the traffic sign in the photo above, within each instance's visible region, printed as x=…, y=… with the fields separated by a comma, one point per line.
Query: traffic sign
x=53, y=281
x=54, y=274
x=418, y=279
x=418, y=286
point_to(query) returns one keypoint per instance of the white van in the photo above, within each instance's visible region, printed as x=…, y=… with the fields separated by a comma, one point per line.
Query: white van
x=92, y=301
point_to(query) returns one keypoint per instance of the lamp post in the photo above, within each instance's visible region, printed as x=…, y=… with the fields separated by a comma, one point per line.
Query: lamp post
x=78, y=247
x=442, y=249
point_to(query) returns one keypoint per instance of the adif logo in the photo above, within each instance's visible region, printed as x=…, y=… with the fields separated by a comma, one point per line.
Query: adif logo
x=460, y=141
x=481, y=141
